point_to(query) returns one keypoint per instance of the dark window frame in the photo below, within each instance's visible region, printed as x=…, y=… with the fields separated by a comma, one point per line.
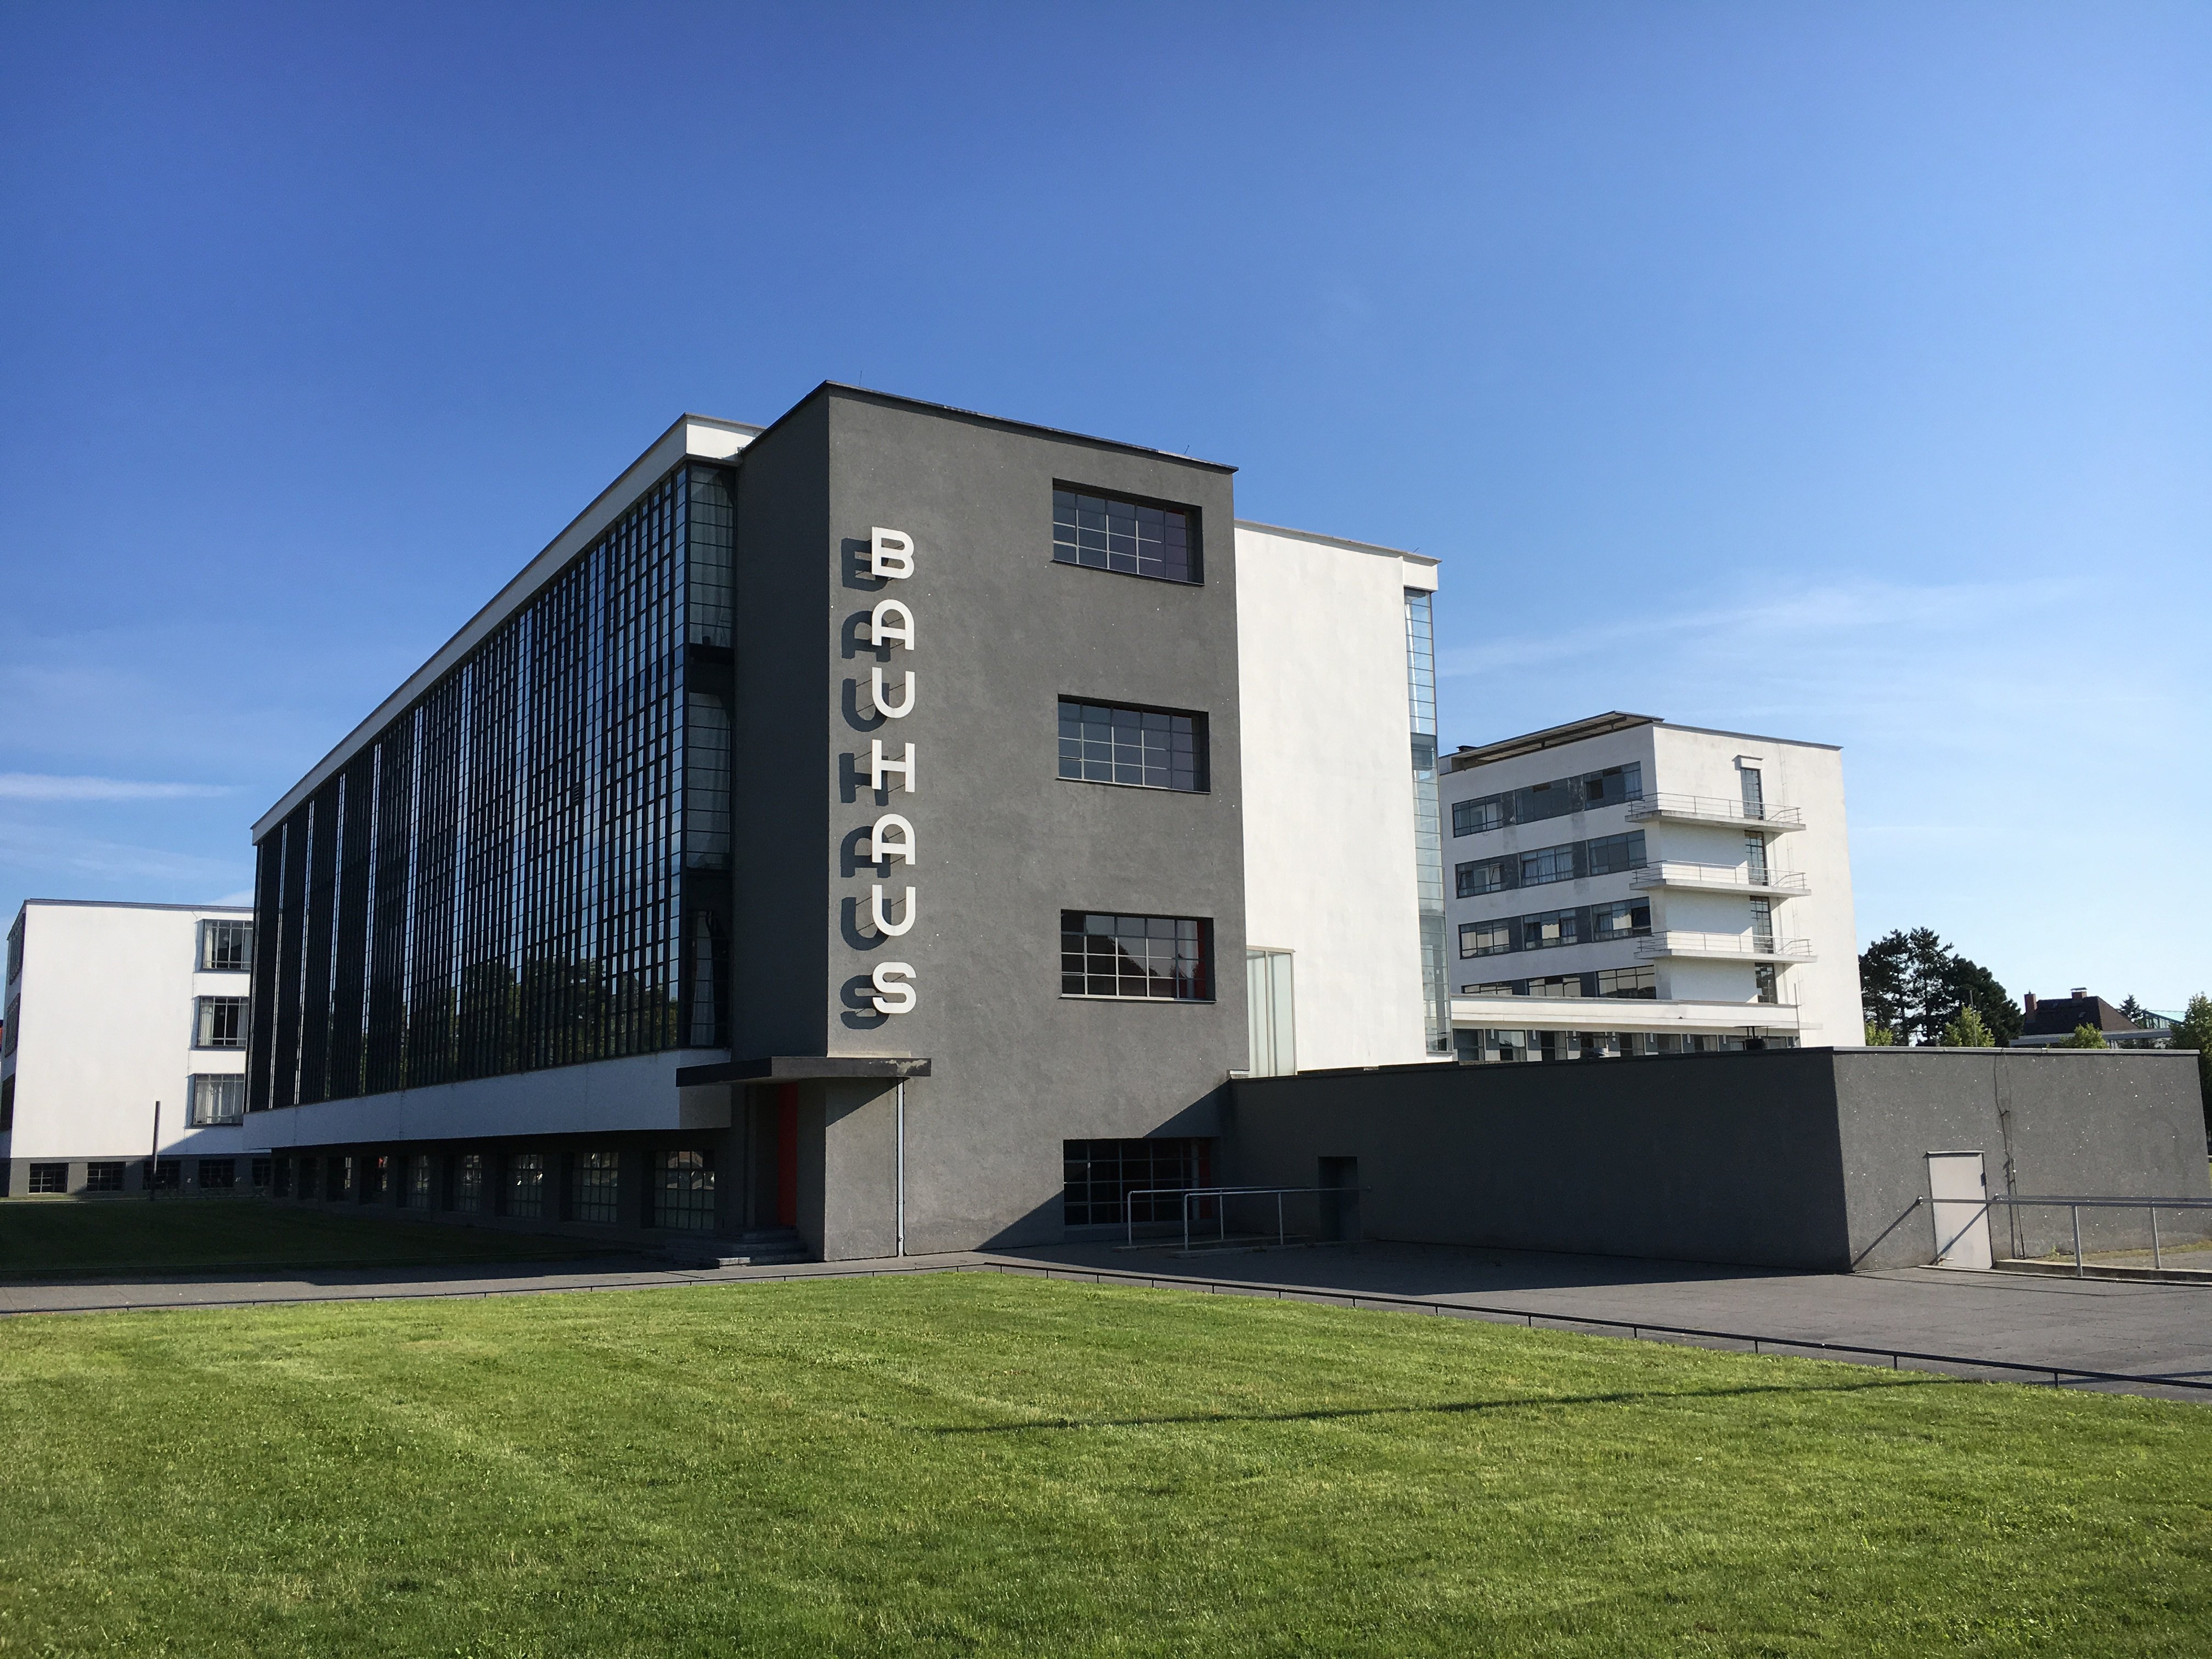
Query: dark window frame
x=1201, y=735
x=1194, y=538
x=215, y=929
x=1202, y=935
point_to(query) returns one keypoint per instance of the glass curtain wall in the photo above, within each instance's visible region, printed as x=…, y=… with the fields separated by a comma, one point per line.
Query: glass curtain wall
x=530, y=867
x=1428, y=820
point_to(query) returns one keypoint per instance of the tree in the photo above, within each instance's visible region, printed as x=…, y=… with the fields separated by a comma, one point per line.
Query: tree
x=2136, y=1014
x=1968, y=1031
x=1880, y=1036
x=2195, y=1031
x=1915, y=985
x=2085, y=1037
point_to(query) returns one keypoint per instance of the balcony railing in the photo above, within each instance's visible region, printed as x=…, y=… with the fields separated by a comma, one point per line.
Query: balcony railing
x=1715, y=809
x=1727, y=877
x=1740, y=947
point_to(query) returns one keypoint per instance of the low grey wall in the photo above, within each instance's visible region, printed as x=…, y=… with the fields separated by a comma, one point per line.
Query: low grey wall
x=1722, y=1158
x=2048, y=1122
x=1799, y=1159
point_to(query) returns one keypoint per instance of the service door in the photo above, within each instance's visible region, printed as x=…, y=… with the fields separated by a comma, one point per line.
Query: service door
x=1959, y=1191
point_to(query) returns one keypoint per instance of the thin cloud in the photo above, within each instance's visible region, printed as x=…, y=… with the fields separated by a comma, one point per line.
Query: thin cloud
x=42, y=786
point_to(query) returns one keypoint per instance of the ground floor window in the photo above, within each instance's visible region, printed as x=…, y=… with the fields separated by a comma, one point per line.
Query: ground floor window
x=375, y=1179
x=468, y=1182
x=343, y=1174
x=218, y=1172
x=259, y=1172
x=593, y=1192
x=50, y=1177
x=525, y=1185
x=684, y=1192
x=1102, y=1174
x=416, y=1193
x=217, y=1099
x=103, y=1177
x=168, y=1175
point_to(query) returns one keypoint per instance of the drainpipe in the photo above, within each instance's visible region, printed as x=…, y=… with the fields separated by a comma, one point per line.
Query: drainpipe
x=899, y=1113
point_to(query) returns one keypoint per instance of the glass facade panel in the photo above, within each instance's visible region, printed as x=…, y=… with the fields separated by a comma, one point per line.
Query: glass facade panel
x=1428, y=816
x=516, y=872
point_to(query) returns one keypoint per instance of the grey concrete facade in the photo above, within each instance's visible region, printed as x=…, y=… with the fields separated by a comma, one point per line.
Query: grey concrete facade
x=1798, y=1158
x=1004, y=844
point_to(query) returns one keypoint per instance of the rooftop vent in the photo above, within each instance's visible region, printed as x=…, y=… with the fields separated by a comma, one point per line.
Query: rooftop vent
x=2079, y=991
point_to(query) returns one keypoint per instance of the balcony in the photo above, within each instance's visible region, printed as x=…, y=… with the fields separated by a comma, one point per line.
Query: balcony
x=1719, y=878
x=1714, y=809
x=1725, y=947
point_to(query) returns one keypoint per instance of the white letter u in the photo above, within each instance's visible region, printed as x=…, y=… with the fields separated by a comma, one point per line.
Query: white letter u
x=884, y=926
x=876, y=692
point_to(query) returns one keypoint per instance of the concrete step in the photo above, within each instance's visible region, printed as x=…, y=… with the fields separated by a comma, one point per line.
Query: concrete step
x=756, y=1247
x=2093, y=1268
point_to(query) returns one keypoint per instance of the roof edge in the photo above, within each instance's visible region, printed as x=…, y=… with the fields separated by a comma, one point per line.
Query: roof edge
x=1344, y=542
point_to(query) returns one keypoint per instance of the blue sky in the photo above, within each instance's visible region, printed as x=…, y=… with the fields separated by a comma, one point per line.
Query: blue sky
x=1841, y=372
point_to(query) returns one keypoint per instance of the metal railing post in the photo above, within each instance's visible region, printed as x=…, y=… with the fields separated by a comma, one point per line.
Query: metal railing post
x=2076, y=1210
x=2157, y=1265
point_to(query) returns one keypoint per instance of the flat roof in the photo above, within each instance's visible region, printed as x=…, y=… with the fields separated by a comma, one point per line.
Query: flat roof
x=135, y=904
x=1001, y=420
x=1344, y=542
x=1598, y=726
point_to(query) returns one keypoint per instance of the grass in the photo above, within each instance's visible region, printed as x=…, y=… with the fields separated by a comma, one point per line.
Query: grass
x=970, y=1464
x=57, y=1238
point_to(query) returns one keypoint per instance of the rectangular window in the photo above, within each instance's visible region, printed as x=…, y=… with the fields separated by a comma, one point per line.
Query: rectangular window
x=1610, y=854
x=11, y=1026
x=468, y=1182
x=1144, y=958
x=6, y=1105
x=1762, y=924
x=684, y=1192
x=1550, y=929
x=1626, y=919
x=1548, y=863
x=258, y=1171
x=1754, y=792
x=308, y=1171
x=416, y=1193
x=168, y=1174
x=226, y=947
x=1768, y=978
x=1503, y=988
x=103, y=1177
x=219, y=1022
x=1557, y=985
x=1469, y=817
x=1486, y=939
x=1107, y=534
x=525, y=1185
x=594, y=1190
x=1627, y=981
x=1149, y=748
x=1484, y=876
x=1754, y=859
x=217, y=1099
x=375, y=1179
x=1103, y=1177
x=340, y=1178
x=50, y=1177
x=282, y=1178
x=15, y=950
x=216, y=1173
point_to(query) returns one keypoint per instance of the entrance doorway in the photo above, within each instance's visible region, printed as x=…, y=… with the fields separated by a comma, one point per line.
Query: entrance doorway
x=1340, y=1199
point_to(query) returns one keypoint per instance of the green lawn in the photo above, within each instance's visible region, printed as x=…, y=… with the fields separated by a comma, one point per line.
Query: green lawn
x=57, y=1237
x=970, y=1464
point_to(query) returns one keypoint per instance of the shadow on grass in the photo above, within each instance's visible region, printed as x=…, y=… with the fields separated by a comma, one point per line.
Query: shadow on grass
x=1447, y=1408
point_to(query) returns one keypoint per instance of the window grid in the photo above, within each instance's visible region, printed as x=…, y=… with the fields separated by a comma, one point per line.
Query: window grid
x=1549, y=929
x=468, y=1182
x=217, y=1099
x=1099, y=1177
x=1149, y=748
x=525, y=1185
x=49, y=1178
x=496, y=882
x=1107, y=534
x=594, y=1187
x=684, y=1192
x=103, y=1177
x=1139, y=958
x=217, y=1174
x=1555, y=798
x=218, y=1022
x=226, y=947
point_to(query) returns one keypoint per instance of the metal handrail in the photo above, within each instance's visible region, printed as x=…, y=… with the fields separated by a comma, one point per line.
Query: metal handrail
x=1713, y=807
x=2075, y=1206
x=1744, y=944
x=1662, y=872
x=1129, y=1205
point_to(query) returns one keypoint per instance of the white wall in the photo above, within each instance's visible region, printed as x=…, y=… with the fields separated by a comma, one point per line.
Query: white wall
x=637, y=1092
x=1810, y=777
x=1328, y=788
x=106, y=1030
